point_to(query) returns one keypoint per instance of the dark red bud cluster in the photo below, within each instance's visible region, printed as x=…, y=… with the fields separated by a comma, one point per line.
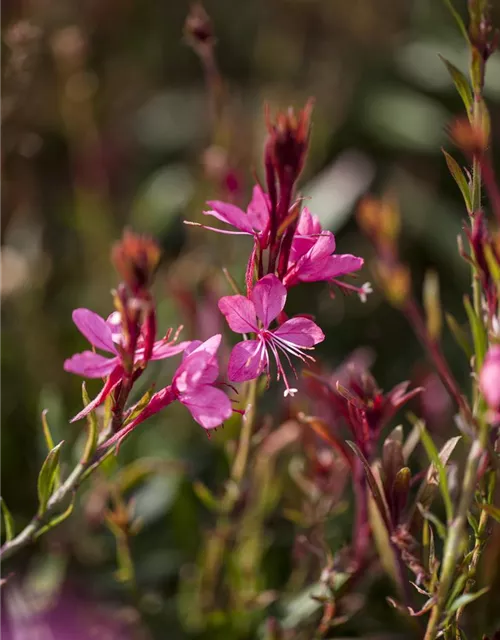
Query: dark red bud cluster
x=136, y=259
x=198, y=28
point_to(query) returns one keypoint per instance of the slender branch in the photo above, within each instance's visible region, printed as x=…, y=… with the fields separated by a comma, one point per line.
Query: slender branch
x=241, y=459
x=54, y=505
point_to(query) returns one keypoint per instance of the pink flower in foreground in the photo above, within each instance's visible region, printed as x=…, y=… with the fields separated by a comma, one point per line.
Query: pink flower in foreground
x=489, y=378
x=250, y=358
x=312, y=257
x=193, y=385
x=107, y=335
x=255, y=222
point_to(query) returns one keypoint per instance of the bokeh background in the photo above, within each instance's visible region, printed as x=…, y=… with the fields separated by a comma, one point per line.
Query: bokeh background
x=107, y=123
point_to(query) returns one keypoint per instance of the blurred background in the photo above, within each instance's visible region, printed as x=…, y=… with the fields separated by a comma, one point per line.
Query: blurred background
x=108, y=122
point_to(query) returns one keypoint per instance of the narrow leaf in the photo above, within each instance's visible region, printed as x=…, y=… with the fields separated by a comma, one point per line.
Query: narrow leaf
x=478, y=333
x=56, y=520
x=491, y=510
x=432, y=305
x=461, y=83
x=374, y=487
x=460, y=335
x=428, y=515
x=47, y=476
x=49, y=441
x=460, y=179
x=8, y=521
x=433, y=455
x=465, y=599
x=458, y=20
x=205, y=496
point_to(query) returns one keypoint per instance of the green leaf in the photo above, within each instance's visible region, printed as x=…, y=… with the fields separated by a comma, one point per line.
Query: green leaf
x=47, y=477
x=428, y=515
x=465, y=599
x=460, y=179
x=205, y=496
x=458, y=20
x=478, y=333
x=374, y=487
x=460, y=335
x=434, y=457
x=91, y=444
x=49, y=442
x=8, y=521
x=56, y=520
x=461, y=83
x=136, y=409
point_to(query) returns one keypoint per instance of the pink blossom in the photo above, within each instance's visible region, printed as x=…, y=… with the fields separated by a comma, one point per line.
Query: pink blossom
x=193, y=386
x=312, y=257
x=489, y=378
x=255, y=222
x=107, y=336
x=250, y=358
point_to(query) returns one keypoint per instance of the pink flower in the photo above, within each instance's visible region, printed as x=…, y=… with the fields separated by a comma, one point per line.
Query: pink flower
x=489, y=378
x=193, y=386
x=250, y=358
x=312, y=257
x=255, y=222
x=107, y=336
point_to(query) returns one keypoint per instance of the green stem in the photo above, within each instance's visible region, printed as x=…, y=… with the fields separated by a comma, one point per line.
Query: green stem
x=241, y=459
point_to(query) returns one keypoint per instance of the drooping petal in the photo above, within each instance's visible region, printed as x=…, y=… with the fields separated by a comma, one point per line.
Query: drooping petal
x=199, y=367
x=90, y=365
x=94, y=328
x=300, y=331
x=239, y=313
x=247, y=361
x=158, y=401
x=258, y=209
x=230, y=214
x=113, y=379
x=208, y=405
x=269, y=297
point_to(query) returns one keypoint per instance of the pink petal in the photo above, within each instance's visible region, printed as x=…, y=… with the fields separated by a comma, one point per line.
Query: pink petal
x=339, y=265
x=300, y=331
x=239, y=313
x=114, y=378
x=158, y=401
x=90, y=365
x=199, y=367
x=208, y=405
x=230, y=214
x=247, y=361
x=269, y=297
x=258, y=209
x=94, y=328
x=114, y=322
x=162, y=349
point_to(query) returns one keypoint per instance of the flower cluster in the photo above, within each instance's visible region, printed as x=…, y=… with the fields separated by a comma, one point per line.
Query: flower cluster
x=289, y=247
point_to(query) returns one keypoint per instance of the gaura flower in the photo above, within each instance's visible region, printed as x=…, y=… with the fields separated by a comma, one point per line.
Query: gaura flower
x=250, y=358
x=312, y=257
x=255, y=222
x=107, y=336
x=193, y=385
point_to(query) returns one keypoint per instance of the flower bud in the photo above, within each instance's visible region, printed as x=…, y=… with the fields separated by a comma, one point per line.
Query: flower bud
x=136, y=258
x=489, y=378
x=471, y=138
x=198, y=27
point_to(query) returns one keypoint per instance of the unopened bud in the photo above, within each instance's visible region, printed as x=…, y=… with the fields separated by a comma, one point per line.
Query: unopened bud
x=396, y=282
x=198, y=27
x=471, y=138
x=136, y=259
x=432, y=304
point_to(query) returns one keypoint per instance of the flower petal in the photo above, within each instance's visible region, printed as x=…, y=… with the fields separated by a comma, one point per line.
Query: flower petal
x=208, y=405
x=113, y=379
x=269, y=297
x=94, y=328
x=230, y=214
x=247, y=361
x=90, y=365
x=300, y=331
x=162, y=349
x=199, y=367
x=239, y=313
x=258, y=209
x=340, y=265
